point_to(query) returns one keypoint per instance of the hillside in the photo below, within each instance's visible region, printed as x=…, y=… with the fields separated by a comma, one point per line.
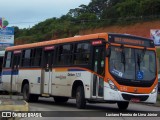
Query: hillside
x=140, y=29
x=123, y=16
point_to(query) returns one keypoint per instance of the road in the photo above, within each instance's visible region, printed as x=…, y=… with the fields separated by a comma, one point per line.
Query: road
x=48, y=104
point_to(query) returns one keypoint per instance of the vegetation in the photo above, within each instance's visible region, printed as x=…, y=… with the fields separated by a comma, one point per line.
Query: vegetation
x=98, y=13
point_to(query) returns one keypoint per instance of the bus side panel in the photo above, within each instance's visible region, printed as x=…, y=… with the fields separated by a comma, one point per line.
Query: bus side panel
x=111, y=95
x=6, y=81
x=63, y=80
x=87, y=78
x=61, y=85
x=34, y=78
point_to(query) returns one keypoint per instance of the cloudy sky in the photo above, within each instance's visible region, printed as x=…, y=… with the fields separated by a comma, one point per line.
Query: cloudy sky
x=26, y=13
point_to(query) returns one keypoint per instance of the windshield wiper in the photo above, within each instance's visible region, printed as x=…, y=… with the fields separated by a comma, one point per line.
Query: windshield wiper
x=138, y=61
x=123, y=60
x=140, y=58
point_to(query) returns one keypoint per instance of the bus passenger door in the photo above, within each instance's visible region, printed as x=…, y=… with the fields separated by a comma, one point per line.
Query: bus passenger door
x=15, y=71
x=47, y=71
x=99, y=68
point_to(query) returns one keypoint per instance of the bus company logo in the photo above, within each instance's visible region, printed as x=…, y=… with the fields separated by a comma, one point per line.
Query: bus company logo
x=61, y=77
x=20, y=114
x=6, y=114
x=3, y=23
x=71, y=74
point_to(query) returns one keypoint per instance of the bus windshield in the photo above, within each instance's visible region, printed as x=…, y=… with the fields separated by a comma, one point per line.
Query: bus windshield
x=132, y=64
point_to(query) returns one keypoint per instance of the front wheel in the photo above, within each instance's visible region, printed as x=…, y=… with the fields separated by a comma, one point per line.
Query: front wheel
x=122, y=105
x=80, y=98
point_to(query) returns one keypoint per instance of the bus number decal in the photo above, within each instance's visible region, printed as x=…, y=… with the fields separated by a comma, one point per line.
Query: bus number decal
x=78, y=74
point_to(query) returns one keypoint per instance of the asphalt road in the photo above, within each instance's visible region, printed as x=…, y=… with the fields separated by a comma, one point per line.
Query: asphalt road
x=48, y=105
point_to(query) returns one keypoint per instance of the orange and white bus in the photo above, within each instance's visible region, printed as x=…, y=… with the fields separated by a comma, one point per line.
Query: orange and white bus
x=103, y=67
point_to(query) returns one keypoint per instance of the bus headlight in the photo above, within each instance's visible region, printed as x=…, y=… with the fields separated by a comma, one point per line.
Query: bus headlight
x=154, y=90
x=112, y=85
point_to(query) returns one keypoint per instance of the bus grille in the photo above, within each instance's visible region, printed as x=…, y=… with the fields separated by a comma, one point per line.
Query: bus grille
x=140, y=97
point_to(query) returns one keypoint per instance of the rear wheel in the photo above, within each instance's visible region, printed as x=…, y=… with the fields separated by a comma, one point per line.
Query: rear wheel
x=27, y=96
x=58, y=99
x=122, y=105
x=80, y=98
x=25, y=92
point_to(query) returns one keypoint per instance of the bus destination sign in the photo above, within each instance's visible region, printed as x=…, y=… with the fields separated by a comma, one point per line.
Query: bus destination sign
x=132, y=41
x=129, y=41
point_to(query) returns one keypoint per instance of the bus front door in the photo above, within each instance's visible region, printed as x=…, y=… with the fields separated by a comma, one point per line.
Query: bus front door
x=47, y=72
x=99, y=68
x=15, y=71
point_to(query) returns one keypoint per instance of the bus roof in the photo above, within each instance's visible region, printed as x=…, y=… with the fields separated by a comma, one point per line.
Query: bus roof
x=75, y=38
x=57, y=41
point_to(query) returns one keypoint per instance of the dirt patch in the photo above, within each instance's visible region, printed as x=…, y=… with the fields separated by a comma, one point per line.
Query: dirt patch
x=139, y=29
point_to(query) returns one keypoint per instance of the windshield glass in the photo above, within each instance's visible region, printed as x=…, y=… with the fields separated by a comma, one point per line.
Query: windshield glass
x=134, y=64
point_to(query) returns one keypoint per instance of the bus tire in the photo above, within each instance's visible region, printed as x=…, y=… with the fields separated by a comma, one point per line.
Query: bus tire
x=26, y=94
x=122, y=105
x=80, y=97
x=58, y=99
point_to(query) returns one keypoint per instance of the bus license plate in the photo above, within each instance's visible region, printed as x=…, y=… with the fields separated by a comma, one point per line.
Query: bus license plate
x=135, y=100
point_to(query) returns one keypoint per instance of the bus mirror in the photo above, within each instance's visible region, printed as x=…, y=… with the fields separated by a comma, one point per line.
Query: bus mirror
x=108, y=52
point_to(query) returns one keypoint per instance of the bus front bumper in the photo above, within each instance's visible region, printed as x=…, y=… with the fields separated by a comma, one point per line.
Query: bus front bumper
x=116, y=95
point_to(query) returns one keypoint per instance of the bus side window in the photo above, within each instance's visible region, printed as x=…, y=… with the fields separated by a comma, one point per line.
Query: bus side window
x=58, y=54
x=65, y=54
x=36, y=57
x=82, y=53
x=8, y=59
x=32, y=56
x=26, y=62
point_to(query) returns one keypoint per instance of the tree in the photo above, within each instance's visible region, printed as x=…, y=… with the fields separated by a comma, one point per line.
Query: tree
x=150, y=7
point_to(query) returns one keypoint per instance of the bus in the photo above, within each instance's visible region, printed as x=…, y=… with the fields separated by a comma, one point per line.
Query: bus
x=99, y=68
x=1, y=62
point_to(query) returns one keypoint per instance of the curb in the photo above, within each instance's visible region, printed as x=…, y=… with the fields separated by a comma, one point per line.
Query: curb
x=12, y=105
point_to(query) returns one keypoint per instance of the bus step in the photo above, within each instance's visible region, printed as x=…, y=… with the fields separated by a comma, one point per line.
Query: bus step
x=45, y=95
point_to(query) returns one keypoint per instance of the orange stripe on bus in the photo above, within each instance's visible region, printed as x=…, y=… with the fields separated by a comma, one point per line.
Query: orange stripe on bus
x=65, y=40
x=60, y=69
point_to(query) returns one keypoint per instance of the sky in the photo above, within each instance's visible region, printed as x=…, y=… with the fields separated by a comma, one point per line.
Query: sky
x=27, y=13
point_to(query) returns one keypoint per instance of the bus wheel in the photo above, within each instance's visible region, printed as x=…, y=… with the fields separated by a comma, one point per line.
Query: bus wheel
x=26, y=94
x=58, y=99
x=80, y=98
x=122, y=105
